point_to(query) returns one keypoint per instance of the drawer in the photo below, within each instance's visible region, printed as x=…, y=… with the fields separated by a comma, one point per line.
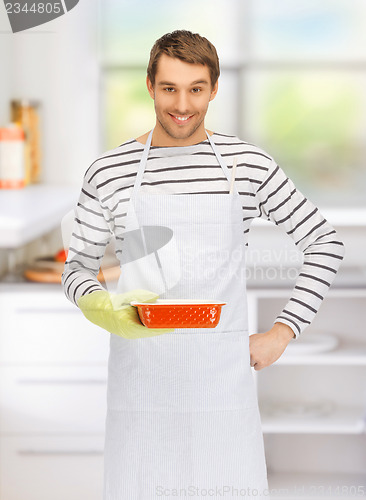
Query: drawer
x=53, y=400
x=44, y=327
x=57, y=468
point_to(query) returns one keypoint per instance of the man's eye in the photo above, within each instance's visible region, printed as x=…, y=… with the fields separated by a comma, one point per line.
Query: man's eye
x=196, y=90
x=169, y=89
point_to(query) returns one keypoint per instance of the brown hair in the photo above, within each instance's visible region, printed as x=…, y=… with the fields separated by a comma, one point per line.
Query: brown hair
x=188, y=47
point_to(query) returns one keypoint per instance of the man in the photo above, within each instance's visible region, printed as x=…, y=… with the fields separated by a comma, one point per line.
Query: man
x=182, y=407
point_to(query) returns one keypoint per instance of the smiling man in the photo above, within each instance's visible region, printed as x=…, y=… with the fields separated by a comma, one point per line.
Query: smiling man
x=182, y=407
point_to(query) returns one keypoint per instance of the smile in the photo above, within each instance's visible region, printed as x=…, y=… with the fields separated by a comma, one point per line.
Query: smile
x=180, y=119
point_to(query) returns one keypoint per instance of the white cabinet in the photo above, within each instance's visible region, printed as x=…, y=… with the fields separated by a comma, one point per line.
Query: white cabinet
x=53, y=399
x=52, y=467
x=40, y=326
x=53, y=379
x=313, y=399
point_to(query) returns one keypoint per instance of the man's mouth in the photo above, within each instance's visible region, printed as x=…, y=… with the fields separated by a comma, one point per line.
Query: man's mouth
x=181, y=119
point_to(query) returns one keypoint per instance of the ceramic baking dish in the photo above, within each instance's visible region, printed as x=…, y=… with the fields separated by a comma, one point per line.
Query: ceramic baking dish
x=164, y=313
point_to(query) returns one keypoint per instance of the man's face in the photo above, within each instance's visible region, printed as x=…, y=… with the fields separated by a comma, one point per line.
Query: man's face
x=181, y=94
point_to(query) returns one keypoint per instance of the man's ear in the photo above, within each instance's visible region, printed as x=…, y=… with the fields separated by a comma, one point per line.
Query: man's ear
x=214, y=90
x=150, y=88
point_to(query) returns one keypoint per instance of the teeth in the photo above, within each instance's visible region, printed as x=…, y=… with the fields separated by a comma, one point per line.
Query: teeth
x=182, y=118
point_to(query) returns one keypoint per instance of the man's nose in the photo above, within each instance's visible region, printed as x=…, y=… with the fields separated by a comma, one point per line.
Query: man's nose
x=182, y=102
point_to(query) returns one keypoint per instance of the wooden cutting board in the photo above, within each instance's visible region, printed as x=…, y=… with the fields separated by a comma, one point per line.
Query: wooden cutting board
x=47, y=270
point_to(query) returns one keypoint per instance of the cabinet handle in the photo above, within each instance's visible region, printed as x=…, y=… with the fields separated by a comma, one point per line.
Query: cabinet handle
x=60, y=381
x=59, y=452
x=33, y=310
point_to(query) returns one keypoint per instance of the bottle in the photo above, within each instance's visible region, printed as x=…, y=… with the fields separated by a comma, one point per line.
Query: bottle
x=12, y=158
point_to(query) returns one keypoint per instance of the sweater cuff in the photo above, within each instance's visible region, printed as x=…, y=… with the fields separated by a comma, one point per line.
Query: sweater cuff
x=294, y=327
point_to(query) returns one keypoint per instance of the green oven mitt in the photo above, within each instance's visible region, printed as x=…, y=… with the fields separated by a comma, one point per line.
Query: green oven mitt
x=114, y=313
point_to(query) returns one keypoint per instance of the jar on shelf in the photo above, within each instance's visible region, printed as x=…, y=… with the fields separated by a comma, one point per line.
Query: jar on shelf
x=26, y=113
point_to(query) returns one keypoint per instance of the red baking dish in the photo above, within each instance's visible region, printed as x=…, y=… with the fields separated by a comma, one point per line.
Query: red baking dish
x=179, y=313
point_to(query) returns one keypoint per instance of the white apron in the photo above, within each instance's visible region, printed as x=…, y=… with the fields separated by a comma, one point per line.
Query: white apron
x=183, y=417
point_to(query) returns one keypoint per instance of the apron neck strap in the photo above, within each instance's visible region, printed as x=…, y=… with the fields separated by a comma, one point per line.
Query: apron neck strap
x=142, y=164
x=221, y=160
x=145, y=154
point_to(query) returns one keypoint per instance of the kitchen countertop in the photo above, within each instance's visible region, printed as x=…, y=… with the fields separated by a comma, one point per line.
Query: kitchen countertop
x=26, y=214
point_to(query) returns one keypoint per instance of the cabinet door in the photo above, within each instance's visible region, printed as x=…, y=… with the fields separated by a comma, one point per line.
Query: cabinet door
x=42, y=326
x=57, y=468
x=39, y=399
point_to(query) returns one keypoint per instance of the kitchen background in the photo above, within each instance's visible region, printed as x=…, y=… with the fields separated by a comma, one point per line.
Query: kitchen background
x=293, y=81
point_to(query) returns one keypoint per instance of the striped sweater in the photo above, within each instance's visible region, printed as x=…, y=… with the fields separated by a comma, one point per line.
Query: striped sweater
x=265, y=192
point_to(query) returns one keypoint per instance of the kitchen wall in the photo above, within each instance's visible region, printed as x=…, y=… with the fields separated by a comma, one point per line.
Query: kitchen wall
x=6, y=65
x=57, y=64
x=5, y=89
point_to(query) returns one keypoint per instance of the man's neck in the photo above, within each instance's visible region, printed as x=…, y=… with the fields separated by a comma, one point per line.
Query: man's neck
x=161, y=143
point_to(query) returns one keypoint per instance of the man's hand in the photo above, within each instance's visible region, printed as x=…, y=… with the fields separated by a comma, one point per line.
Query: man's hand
x=266, y=348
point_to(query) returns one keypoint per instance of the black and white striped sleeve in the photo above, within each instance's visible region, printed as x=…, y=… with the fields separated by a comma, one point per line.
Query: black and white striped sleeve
x=92, y=231
x=280, y=202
